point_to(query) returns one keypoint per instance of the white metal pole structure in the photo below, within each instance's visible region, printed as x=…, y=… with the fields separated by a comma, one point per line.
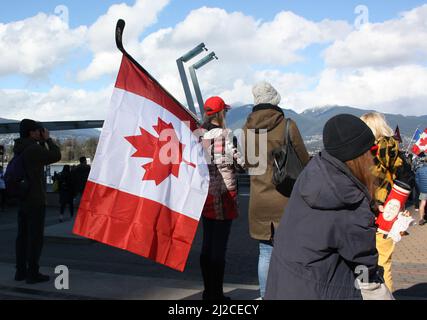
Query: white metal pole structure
x=211, y=56
x=180, y=63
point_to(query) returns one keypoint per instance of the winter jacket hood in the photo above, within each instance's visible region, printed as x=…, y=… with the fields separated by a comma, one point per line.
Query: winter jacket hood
x=265, y=116
x=318, y=187
x=21, y=144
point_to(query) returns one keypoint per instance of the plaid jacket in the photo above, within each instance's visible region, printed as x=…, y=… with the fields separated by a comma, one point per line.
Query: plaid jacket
x=387, y=161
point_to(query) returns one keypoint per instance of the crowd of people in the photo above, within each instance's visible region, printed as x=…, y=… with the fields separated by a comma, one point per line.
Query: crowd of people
x=313, y=239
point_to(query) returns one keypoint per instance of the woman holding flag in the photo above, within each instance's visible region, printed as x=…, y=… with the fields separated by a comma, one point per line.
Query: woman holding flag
x=221, y=204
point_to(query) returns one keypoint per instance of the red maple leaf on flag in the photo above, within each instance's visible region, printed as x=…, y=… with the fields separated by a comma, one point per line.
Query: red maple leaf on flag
x=165, y=151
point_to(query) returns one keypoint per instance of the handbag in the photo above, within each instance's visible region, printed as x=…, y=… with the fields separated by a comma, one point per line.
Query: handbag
x=286, y=165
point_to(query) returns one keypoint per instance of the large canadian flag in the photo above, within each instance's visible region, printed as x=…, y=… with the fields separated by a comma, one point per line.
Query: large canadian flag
x=149, y=178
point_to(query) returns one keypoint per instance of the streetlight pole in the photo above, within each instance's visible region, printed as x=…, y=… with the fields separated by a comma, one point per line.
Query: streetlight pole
x=180, y=63
x=195, y=81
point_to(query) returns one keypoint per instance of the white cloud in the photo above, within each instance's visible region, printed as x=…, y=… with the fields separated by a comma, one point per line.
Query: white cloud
x=56, y=104
x=244, y=46
x=36, y=45
x=377, y=67
x=391, y=43
x=241, y=39
x=101, y=34
x=286, y=83
x=394, y=90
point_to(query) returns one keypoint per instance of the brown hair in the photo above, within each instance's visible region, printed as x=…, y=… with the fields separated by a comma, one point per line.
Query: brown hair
x=361, y=168
x=219, y=117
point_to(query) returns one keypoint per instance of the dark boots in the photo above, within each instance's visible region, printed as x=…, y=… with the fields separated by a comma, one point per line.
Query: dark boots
x=20, y=275
x=213, y=278
x=31, y=278
x=37, y=278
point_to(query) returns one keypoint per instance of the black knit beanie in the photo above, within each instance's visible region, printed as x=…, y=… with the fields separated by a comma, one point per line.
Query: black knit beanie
x=346, y=137
x=28, y=125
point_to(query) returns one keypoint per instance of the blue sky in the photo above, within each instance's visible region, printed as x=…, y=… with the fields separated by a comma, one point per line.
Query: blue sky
x=86, y=12
x=313, y=62
x=89, y=11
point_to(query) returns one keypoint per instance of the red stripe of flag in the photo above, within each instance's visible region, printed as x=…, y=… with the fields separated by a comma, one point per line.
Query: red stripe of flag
x=134, y=80
x=139, y=225
x=416, y=150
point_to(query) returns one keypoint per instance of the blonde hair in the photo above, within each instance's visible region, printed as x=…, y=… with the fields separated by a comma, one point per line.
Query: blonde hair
x=377, y=123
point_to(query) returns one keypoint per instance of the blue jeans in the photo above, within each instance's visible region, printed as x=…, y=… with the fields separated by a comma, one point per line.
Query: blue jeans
x=265, y=250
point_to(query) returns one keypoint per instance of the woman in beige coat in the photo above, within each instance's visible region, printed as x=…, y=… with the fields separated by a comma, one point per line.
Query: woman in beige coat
x=267, y=124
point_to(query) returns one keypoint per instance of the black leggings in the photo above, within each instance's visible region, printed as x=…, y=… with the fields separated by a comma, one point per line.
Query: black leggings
x=215, y=239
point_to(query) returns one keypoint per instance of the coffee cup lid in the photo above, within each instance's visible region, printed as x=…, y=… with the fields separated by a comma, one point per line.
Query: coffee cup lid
x=402, y=185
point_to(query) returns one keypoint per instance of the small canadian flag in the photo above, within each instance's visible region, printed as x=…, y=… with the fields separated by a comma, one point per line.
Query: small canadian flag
x=149, y=179
x=420, y=145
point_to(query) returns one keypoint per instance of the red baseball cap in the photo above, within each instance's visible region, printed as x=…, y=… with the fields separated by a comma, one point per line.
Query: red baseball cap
x=214, y=105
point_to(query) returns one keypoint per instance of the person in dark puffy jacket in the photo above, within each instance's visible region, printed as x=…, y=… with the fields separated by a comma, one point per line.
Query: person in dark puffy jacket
x=220, y=208
x=327, y=233
x=421, y=180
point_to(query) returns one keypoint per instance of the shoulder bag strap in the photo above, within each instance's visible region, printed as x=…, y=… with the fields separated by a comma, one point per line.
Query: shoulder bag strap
x=287, y=133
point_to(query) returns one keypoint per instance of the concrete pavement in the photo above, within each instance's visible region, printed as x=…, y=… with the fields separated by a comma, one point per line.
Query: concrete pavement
x=409, y=267
x=102, y=272
x=98, y=271
x=86, y=285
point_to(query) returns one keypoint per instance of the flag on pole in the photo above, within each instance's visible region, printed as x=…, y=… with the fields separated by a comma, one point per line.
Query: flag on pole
x=417, y=135
x=420, y=139
x=397, y=135
x=149, y=178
